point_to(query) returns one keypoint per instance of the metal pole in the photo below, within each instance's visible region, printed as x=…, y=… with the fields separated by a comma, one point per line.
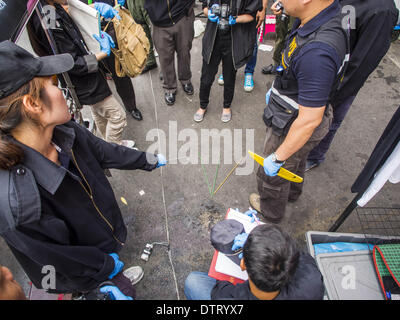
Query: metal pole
x=345, y=214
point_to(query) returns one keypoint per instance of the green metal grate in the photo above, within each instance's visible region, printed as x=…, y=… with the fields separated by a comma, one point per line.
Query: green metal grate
x=391, y=253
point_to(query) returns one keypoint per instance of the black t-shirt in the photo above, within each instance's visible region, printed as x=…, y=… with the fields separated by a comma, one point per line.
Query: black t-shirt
x=369, y=42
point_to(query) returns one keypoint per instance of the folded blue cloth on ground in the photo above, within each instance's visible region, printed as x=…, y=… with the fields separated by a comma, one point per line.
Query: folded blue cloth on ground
x=340, y=247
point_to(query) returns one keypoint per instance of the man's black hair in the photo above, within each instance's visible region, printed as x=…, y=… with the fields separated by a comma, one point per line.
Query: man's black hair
x=271, y=257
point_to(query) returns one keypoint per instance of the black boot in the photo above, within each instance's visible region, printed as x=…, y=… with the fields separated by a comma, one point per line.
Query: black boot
x=136, y=114
x=170, y=98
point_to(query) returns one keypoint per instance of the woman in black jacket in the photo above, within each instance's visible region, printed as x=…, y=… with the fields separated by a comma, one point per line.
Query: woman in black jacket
x=57, y=207
x=228, y=39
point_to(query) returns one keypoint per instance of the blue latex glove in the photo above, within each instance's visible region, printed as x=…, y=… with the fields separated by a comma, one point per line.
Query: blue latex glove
x=211, y=16
x=115, y=293
x=161, y=160
x=271, y=168
x=106, y=10
x=121, y=2
x=239, y=242
x=267, y=95
x=117, y=267
x=106, y=42
x=252, y=214
x=232, y=20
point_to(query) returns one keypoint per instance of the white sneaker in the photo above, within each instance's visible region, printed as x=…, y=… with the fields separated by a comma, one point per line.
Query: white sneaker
x=128, y=143
x=134, y=274
x=221, y=80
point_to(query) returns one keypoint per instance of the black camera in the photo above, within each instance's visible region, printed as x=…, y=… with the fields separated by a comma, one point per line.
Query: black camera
x=279, y=7
x=223, y=13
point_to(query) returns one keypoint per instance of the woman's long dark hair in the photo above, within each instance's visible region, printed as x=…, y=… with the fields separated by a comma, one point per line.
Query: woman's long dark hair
x=12, y=114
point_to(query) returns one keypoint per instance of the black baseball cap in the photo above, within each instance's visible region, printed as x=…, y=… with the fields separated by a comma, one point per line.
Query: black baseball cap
x=18, y=67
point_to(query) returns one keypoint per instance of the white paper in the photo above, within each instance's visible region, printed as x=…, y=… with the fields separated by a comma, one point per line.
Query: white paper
x=88, y=21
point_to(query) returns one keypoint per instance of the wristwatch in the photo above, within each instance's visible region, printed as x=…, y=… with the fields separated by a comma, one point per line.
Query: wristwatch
x=274, y=159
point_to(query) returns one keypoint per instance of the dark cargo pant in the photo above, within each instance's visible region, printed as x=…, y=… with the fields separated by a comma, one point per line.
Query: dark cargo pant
x=275, y=192
x=177, y=38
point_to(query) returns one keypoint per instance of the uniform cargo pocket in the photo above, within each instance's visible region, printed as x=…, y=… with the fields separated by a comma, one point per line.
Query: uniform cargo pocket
x=278, y=116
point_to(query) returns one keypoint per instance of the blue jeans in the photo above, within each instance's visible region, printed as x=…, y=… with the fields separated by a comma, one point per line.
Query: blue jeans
x=339, y=112
x=198, y=286
x=251, y=65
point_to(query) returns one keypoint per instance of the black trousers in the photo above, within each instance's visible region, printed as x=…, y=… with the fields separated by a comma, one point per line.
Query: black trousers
x=123, y=85
x=222, y=51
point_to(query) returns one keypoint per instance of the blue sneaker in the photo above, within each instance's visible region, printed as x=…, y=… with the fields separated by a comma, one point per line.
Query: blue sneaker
x=248, y=82
x=221, y=80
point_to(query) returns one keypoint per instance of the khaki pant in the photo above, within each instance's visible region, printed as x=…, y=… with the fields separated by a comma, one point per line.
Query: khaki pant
x=275, y=192
x=110, y=119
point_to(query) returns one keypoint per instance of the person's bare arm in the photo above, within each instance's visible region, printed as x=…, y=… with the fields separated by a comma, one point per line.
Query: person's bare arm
x=300, y=131
x=260, y=17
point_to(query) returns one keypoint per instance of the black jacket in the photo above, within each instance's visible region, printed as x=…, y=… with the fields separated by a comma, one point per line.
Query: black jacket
x=87, y=74
x=369, y=42
x=166, y=13
x=244, y=35
x=383, y=149
x=306, y=284
x=67, y=217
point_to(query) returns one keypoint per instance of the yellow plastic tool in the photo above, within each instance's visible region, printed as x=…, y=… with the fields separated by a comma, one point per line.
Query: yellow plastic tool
x=283, y=173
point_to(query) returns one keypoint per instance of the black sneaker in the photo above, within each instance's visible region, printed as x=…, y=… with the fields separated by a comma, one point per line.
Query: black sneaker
x=271, y=69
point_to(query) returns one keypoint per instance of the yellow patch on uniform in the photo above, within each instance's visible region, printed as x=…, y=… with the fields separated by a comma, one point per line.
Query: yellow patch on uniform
x=283, y=61
x=292, y=47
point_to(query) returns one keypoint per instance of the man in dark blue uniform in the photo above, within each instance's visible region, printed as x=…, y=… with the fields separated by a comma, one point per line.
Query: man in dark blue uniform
x=297, y=116
x=370, y=41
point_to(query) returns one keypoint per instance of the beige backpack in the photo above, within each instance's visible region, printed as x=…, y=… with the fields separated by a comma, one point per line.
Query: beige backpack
x=133, y=44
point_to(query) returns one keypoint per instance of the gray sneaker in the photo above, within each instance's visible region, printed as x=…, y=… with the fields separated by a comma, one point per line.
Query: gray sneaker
x=226, y=117
x=198, y=117
x=254, y=200
x=134, y=274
